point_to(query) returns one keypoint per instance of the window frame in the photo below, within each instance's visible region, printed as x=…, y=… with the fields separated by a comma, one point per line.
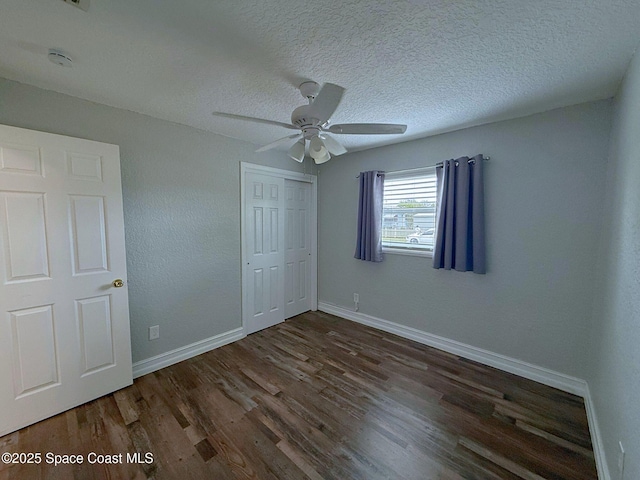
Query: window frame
x=408, y=174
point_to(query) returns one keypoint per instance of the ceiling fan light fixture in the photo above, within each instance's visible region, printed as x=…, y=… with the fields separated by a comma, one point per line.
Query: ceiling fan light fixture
x=325, y=158
x=297, y=151
x=317, y=149
x=313, y=123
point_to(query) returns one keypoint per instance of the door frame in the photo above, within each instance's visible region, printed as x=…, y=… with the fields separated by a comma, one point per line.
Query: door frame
x=313, y=221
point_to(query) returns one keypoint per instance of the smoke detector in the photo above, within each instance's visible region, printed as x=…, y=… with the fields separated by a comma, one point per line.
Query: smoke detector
x=60, y=58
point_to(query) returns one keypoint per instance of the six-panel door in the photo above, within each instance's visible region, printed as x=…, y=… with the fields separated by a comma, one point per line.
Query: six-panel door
x=297, y=201
x=64, y=327
x=264, y=232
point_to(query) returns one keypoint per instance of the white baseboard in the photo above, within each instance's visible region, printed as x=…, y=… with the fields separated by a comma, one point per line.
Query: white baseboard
x=543, y=375
x=536, y=373
x=518, y=367
x=596, y=438
x=183, y=353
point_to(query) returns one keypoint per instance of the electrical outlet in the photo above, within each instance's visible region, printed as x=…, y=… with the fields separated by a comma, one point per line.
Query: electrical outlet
x=154, y=332
x=356, y=298
x=621, y=462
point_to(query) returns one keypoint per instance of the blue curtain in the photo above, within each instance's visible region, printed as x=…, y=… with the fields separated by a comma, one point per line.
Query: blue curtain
x=460, y=238
x=369, y=238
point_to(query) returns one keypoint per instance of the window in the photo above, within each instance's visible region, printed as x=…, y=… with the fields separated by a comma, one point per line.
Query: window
x=409, y=212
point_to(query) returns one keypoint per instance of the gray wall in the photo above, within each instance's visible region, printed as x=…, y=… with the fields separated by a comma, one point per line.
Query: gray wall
x=544, y=188
x=614, y=376
x=181, y=189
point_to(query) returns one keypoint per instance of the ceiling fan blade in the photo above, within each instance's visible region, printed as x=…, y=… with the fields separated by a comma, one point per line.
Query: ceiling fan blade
x=253, y=119
x=278, y=142
x=326, y=102
x=367, y=128
x=332, y=145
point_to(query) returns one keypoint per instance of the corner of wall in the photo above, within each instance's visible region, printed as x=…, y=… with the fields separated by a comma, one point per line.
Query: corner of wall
x=166, y=359
x=596, y=437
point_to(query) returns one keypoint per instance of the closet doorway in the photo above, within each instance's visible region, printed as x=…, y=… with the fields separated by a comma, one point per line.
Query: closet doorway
x=279, y=245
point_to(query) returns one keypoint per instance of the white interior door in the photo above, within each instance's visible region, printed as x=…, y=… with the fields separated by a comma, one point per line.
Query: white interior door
x=297, y=253
x=264, y=257
x=64, y=326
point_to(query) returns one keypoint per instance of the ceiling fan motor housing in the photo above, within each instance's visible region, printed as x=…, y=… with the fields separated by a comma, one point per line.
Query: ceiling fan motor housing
x=313, y=120
x=301, y=118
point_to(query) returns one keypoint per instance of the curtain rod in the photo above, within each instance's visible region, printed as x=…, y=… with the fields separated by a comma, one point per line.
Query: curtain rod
x=377, y=174
x=471, y=160
x=439, y=164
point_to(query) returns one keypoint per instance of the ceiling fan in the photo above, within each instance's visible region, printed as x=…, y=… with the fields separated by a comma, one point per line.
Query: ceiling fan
x=313, y=121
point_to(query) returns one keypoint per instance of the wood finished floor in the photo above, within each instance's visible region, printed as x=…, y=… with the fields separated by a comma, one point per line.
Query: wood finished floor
x=322, y=398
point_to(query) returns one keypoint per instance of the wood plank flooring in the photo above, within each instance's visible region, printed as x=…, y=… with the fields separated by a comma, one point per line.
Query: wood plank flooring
x=319, y=397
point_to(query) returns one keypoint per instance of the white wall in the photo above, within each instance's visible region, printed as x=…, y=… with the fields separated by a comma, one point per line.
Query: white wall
x=614, y=376
x=181, y=206
x=544, y=188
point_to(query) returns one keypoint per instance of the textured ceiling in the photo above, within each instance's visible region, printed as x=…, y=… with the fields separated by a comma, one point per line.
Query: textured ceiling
x=436, y=65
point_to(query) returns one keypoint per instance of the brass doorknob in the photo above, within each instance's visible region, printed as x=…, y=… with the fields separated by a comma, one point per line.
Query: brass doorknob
x=118, y=283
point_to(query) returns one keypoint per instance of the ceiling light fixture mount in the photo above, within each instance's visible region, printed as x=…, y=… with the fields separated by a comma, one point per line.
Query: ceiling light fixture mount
x=309, y=90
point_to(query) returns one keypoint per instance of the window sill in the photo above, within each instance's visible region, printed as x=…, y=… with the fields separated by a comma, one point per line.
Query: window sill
x=407, y=252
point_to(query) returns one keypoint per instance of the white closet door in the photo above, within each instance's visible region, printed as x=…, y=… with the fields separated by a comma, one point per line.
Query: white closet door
x=263, y=234
x=64, y=326
x=297, y=266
